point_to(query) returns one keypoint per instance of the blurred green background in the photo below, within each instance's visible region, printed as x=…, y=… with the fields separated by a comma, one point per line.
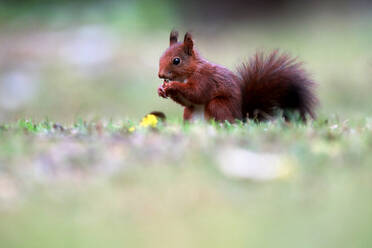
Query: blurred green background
x=91, y=183
x=69, y=59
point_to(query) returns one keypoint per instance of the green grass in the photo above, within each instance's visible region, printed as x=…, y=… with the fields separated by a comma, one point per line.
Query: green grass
x=94, y=184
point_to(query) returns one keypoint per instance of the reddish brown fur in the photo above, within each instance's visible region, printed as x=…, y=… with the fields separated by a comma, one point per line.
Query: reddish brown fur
x=262, y=86
x=276, y=82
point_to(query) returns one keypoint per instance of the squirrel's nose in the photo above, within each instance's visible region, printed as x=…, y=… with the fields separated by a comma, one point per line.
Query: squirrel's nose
x=164, y=75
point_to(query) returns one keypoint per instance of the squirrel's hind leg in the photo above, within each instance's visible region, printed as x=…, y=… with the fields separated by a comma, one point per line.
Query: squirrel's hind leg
x=222, y=110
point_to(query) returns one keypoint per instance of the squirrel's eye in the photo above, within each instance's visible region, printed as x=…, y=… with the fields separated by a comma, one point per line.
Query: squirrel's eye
x=176, y=61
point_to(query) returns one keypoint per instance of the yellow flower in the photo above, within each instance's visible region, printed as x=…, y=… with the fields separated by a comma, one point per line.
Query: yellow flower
x=149, y=120
x=131, y=129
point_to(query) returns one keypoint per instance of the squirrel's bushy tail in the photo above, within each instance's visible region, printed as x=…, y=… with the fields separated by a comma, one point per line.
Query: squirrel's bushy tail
x=276, y=82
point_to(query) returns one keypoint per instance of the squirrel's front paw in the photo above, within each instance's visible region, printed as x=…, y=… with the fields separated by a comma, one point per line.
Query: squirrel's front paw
x=168, y=88
x=161, y=91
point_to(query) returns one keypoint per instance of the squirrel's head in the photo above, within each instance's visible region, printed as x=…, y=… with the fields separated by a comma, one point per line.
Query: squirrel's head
x=178, y=62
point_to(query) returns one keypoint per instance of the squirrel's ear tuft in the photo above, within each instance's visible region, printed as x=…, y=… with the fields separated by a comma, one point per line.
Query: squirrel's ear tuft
x=188, y=43
x=173, y=38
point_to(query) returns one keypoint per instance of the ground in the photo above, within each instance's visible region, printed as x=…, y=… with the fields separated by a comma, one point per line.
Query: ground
x=112, y=184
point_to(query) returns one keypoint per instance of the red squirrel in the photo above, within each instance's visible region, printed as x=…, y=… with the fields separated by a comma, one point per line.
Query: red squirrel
x=257, y=91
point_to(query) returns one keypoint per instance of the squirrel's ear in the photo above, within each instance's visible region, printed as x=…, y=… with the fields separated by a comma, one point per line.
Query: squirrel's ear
x=188, y=43
x=173, y=37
